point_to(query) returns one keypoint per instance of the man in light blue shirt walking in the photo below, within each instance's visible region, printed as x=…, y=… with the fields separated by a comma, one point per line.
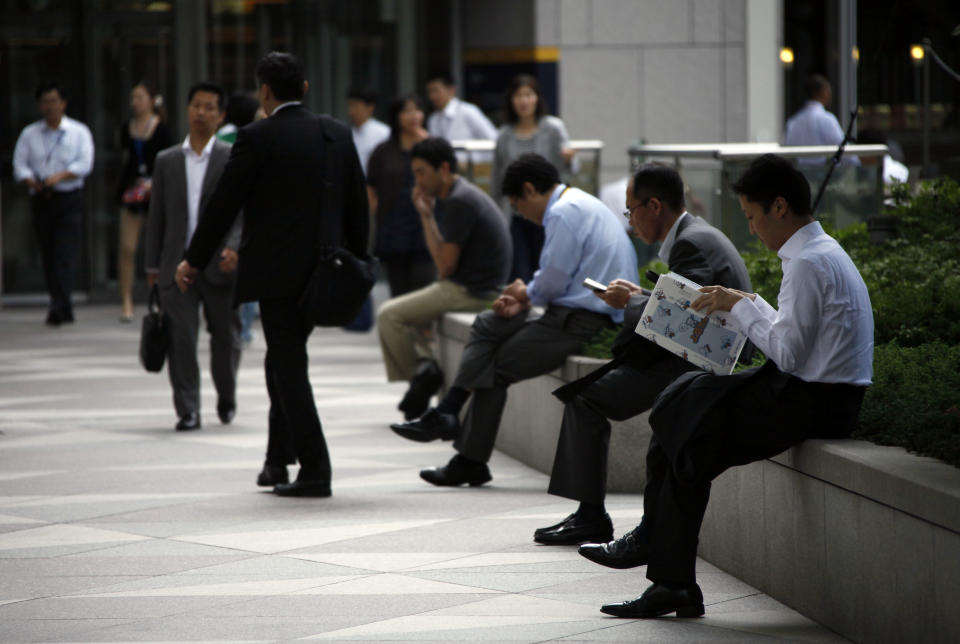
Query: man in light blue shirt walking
x=52, y=158
x=514, y=341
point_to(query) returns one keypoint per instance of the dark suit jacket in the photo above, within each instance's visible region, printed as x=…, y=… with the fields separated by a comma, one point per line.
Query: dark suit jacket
x=700, y=253
x=166, y=232
x=276, y=174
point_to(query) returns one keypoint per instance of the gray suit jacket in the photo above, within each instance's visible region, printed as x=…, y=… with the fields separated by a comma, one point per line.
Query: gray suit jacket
x=700, y=253
x=166, y=234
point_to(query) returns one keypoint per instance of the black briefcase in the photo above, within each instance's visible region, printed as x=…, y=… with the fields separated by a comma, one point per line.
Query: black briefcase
x=153, y=335
x=338, y=287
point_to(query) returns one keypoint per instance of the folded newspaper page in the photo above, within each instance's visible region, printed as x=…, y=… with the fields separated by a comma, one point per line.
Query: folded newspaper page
x=712, y=342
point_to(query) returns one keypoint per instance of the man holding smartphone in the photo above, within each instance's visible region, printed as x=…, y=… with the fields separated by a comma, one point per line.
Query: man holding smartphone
x=628, y=385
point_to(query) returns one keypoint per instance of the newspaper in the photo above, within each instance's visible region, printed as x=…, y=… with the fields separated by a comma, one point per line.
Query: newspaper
x=712, y=343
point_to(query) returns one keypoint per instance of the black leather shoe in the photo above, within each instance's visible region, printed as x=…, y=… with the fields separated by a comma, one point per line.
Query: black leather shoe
x=457, y=472
x=272, y=475
x=574, y=530
x=628, y=551
x=53, y=319
x=657, y=600
x=188, y=422
x=425, y=383
x=226, y=412
x=431, y=426
x=303, y=488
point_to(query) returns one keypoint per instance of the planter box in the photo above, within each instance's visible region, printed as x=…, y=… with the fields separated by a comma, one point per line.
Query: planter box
x=862, y=538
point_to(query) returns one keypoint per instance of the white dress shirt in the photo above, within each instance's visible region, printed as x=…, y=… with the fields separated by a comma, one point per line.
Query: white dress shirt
x=666, y=246
x=460, y=120
x=41, y=152
x=196, y=167
x=368, y=136
x=283, y=105
x=823, y=330
x=814, y=125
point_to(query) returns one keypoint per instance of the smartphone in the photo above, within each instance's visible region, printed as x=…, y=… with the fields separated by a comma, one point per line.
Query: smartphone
x=594, y=285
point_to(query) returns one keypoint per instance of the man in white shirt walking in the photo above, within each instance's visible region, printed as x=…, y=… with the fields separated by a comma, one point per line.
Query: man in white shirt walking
x=367, y=131
x=453, y=119
x=185, y=176
x=51, y=158
x=819, y=348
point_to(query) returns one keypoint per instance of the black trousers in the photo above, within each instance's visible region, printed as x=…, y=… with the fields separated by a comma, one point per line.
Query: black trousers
x=57, y=220
x=294, y=425
x=770, y=413
x=580, y=465
x=502, y=351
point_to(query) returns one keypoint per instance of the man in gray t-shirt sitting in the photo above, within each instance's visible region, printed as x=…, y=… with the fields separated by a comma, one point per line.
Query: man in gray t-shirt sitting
x=470, y=245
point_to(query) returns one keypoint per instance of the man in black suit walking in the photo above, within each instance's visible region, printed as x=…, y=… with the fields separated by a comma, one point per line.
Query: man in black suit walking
x=292, y=173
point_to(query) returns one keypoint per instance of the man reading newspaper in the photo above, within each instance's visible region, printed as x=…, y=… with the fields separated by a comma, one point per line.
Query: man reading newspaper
x=819, y=348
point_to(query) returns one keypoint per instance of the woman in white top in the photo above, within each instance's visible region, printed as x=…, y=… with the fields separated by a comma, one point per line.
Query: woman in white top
x=528, y=129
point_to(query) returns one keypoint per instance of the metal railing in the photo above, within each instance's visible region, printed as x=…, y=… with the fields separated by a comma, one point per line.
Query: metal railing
x=854, y=194
x=476, y=160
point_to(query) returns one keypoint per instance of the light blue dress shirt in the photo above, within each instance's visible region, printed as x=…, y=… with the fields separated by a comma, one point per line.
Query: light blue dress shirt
x=583, y=239
x=41, y=152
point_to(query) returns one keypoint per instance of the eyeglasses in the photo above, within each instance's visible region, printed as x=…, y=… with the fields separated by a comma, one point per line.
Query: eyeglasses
x=629, y=211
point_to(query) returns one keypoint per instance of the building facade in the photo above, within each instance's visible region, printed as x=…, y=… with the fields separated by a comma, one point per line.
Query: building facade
x=621, y=71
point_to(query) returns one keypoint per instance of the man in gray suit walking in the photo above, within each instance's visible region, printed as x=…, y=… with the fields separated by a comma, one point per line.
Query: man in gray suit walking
x=185, y=176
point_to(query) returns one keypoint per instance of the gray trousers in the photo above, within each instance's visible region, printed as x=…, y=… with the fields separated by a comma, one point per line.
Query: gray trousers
x=223, y=322
x=502, y=351
x=580, y=465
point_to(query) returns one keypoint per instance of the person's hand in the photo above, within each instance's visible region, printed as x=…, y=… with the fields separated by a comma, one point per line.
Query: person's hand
x=228, y=260
x=517, y=289
x=616, y=295
x=152, y=278
x=568, y=154
x=55, y=178
x=507, y=306
x=33, y=184
x=627, y=284
x=718, y=298
x=422, y=202
x=186, y=274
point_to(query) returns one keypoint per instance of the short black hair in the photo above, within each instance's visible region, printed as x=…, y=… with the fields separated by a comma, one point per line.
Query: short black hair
x=241, y=109
x=524, y=80
x=814, y=86
x=393, y=113
x=442, y=75
x=364, y=94
x=283, y=74
x=660, y=181
x=213, y=88
x=771, y=176
x=49, y=86
x=435, y=150
x=529, y=168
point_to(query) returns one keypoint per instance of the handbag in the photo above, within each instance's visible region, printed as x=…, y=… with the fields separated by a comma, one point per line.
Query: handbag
x=153, y=334
x=340, y=282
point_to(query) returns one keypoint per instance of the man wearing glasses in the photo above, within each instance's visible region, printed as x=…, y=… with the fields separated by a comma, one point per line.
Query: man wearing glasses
x=629, y=384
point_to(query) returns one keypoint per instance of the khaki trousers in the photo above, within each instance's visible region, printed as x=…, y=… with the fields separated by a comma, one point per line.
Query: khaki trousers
x=403, y=323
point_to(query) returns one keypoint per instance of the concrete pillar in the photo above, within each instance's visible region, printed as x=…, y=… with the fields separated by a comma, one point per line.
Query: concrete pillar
x=764, y=73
